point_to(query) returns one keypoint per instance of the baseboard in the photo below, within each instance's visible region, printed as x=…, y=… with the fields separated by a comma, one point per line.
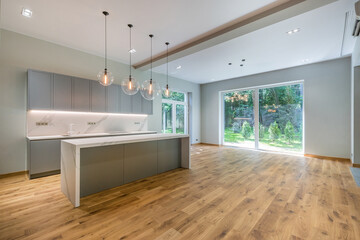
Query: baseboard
x=210, y=144
x=356, y=165
x=44, y=174
x=14, y=174
x=328, y=158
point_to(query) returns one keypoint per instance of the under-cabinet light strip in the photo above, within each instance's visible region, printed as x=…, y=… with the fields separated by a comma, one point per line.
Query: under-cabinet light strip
x=87, y=113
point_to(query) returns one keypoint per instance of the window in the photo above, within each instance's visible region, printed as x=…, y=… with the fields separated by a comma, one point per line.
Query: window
x=174, y=113
x=268, y=118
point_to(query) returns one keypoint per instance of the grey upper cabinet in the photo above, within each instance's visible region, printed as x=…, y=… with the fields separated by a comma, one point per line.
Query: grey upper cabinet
x=50, y=91
x=62, y=92
x=80, y=95
x=113, y=98
x=125, y=102
x=146, y=106
x=136, y=103
x=40, y=86
x=98, y=97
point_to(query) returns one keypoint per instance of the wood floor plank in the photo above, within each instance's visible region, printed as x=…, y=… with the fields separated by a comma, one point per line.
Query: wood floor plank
x=229, y=193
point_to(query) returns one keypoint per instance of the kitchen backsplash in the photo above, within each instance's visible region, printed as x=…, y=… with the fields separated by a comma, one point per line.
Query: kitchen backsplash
x=42, y=123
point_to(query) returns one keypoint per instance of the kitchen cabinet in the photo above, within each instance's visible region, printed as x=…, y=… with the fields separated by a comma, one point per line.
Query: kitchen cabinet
x=125, y=102
x=40, y=86
x=62, y=93
x=80, y=95
x=113, y=98
x=136, y=103
x=98, y=97
x=44, y=158
x=50, y=91
x=169, y=155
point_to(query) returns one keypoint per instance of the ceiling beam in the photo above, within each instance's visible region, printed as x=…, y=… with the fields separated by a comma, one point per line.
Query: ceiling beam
x=268, y=15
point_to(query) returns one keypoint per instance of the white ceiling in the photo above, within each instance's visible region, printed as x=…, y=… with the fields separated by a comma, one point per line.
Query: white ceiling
x=271, y=48
x=80, y=24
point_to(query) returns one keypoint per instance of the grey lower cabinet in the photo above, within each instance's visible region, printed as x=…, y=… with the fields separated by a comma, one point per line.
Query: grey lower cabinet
x=40, y=94
x=80, y=95
x=169, y=155
x=62, y=92
x=44, y=158
x=51, y=91
x=109, y=169
x=140, y=160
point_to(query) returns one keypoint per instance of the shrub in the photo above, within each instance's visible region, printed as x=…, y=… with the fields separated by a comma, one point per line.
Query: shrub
x=246, y=130
x=262, y=130
x=274, y=131
x=289, y=132
x=236, y=127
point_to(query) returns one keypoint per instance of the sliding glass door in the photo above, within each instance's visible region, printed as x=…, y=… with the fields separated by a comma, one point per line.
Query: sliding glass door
x=277, y=124
x=239, y=118
x=174, y=113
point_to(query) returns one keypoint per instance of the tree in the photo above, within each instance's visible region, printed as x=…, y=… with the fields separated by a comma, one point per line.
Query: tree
x=246, y=130
x=274, y=131
x=262, y=130
x=289, y=132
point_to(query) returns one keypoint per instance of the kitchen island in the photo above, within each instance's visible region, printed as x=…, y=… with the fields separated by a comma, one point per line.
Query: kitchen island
x=92, y=165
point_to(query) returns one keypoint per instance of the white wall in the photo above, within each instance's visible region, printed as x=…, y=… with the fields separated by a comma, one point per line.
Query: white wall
x=355, y=104
x=19, y=53
x=327, y=104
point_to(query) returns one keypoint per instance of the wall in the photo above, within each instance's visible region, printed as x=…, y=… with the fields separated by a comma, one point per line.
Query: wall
x=355, y=103
x=19, y=53
x=327, y=104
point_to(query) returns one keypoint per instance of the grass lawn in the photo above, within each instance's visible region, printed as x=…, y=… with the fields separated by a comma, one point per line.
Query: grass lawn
x=265, y=142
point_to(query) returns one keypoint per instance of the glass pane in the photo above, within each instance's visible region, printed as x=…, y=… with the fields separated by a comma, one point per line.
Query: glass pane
x=281, y=118
x=180, y=118
x=239, y=118
x=167, y=118
x=176, y=96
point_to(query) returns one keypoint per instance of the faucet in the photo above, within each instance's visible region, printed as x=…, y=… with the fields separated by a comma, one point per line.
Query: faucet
x=71, y=131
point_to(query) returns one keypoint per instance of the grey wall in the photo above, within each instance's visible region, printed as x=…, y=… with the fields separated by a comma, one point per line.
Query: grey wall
x=327, y=104
x=355, y=104
x=19, y=52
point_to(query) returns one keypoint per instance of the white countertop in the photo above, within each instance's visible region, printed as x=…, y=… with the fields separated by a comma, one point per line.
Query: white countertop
x=87, y=135
x=105, y=141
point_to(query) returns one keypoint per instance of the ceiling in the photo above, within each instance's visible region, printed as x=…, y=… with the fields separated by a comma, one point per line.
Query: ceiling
x=80, y=25
x=320, y=38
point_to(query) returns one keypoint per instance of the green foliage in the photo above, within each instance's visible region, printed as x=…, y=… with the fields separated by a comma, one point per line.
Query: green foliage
x=176, y=96
x=274, y=131
x=246, y=130
x=262, y=130
x=236, y=127
x=289, y=132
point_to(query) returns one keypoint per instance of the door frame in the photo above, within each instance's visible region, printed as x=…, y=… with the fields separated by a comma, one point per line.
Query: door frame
x=173, y=113
x=256, y=111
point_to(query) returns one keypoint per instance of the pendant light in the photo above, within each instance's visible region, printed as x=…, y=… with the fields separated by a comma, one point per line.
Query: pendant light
x=105, y=77
x=130, y=85
x=150, y=88
x=167, y=91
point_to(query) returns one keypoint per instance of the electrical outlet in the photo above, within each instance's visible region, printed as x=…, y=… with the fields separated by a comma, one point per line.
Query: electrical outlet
x=42, y=123
x=91, y=123
x=137, y=123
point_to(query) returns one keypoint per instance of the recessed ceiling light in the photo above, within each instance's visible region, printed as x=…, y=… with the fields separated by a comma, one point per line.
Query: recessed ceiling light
x=296, y=30
x=26, y=12
x=178, y=67
x=305, y=60
x=241, y=65
x=132, y=50
x=243, y=60
x=229, y=64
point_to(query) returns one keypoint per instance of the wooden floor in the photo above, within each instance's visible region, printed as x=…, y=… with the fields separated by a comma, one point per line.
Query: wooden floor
x=228, y=194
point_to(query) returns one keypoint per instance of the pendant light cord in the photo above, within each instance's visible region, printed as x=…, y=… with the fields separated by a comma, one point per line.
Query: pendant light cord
x=151, y=36
x=130, y=26
x=167, y=63
x=105, y=43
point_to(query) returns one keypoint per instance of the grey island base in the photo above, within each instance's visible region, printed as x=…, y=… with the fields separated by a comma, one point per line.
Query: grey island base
x=92, y=165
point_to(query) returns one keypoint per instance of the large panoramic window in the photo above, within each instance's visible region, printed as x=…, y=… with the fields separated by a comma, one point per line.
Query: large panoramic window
x=267, y=118
x=174, y=113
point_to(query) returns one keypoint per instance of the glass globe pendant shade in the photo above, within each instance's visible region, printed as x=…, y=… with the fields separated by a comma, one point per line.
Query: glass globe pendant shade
x=150, y=89
x=105, y=77
x=130, y=86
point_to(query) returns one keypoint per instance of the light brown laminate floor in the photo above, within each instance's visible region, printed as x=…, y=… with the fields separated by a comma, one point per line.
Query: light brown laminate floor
x=228, y=194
